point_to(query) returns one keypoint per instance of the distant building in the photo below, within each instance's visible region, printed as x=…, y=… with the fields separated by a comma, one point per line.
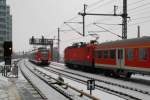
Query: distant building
x=5, y=25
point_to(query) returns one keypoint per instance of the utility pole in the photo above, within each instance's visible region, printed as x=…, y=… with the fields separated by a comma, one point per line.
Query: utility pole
x=138, y=32
x=83, y=15
x=84, y=20
x=124, y=18
x=58, y=44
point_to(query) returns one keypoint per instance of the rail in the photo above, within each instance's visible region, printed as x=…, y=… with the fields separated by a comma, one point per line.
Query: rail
x=38, y=91
x=81, y=92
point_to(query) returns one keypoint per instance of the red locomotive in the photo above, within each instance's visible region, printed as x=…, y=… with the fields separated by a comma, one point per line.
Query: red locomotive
x=80, y=54
x=41, y=56
x=122, y=57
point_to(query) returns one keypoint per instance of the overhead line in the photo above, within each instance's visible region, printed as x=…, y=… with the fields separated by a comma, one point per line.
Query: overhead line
x=142, y=11
x=135, y=2
x=106, y=3
x=140, y=22
x=141, y=17
x=95, y=3
x=139, y=6
x=107, y=30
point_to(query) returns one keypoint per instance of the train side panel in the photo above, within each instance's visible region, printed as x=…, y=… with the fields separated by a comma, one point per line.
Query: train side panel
x=104, y=57
x=82, y=56
x=135, y=56
x=138, y=59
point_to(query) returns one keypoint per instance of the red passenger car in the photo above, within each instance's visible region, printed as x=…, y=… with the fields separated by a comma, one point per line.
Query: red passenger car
x=80, y=55
x=124, y=56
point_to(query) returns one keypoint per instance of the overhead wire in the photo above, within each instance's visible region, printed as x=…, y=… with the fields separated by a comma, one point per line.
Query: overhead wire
x=137, y=7
x=142, y=11
x=95, y=3
x=141, y=17
x=130, y=10
x=133, y=3
x=101, y=5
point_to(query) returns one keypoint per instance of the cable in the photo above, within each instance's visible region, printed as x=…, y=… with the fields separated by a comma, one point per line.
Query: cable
x=140, y=22
x=108, y=24
x=107, y=30
x=72, y=18
x=95, y=3
x=139, y=6
x=141, y=17
x=133, y=3
x=142, y=11
x=104, y=4
x=73, y=29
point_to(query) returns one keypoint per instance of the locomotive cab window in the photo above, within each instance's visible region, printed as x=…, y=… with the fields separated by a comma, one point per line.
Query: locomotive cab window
x=112, y=54
x=143, y=54
x=130, y=54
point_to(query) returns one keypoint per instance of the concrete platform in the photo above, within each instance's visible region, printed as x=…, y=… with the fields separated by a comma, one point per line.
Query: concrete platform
x=16, y=89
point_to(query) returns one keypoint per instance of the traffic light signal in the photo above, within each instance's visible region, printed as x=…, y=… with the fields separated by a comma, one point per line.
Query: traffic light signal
x=7, y=48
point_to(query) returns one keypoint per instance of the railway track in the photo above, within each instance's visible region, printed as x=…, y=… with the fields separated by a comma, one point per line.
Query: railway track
x=48, y=80
x=106, y=82
x=98, y=87
x=143, y=81
x=35, y=88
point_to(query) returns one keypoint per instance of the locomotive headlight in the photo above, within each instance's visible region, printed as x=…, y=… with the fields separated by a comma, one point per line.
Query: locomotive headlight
x=88, y=57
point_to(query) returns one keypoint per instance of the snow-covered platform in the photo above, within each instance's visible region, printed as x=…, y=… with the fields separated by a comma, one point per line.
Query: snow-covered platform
x=16, y=89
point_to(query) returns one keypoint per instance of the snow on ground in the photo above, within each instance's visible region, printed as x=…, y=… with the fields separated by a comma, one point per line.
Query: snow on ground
x=1, y=63
x=117, y=81
x=49, y=92
x=138, y=76
x=130, y=92
x=97, y=93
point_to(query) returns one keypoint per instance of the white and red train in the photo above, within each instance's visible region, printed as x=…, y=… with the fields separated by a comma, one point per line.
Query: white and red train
x=122, y=57
x=40, y=56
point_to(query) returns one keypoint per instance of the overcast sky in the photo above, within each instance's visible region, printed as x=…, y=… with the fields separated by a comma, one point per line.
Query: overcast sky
x=43, y=17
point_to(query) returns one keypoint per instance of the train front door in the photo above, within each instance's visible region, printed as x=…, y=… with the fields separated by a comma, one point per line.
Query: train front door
x=120, y=58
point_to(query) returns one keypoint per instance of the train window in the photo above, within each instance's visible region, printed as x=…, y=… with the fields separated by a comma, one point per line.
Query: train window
x=105, y=54
x=112, y=54
x=99, y=54
x=143, y=54
x=120, y=53
x=130, y=54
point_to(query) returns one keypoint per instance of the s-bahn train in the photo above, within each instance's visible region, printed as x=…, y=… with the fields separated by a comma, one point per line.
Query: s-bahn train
x=40, y=56
x=116, y=58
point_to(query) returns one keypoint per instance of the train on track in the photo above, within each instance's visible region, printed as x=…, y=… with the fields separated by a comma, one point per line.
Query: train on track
x=40, y=56
x=115, y=58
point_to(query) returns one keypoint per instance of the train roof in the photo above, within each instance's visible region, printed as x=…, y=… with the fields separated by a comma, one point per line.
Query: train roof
x=126, y=42
x=83, y=44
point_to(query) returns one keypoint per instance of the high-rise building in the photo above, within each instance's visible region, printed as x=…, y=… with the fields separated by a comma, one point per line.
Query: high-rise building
x=5, y=25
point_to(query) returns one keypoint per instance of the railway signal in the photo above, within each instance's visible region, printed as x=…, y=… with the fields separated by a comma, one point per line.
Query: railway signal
x=91, y=85
x=7, y=57
x=7, y=52
x=7, y=48
x=41, y=42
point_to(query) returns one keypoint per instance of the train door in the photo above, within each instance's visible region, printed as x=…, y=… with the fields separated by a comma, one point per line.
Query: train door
x=120, y=58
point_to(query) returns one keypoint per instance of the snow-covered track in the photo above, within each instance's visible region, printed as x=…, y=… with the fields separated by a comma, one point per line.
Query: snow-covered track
x=104, y=81
x=34, y=86
x=43, y=75
x=119, y=85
